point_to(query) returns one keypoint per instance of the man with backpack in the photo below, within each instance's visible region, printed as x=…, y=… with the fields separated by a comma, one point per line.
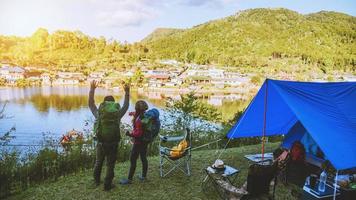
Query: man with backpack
x=107, y=131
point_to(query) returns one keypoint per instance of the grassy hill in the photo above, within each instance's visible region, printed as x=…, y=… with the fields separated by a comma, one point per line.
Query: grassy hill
x=175, y=186
x=161, y=33
x=260, y=40
x=252, y=37
x=70, y=50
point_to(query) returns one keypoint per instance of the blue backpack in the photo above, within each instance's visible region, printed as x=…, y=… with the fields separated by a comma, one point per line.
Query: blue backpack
x=151, y=125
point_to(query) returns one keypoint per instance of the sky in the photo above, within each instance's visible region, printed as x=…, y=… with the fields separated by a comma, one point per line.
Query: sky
x=132, y=20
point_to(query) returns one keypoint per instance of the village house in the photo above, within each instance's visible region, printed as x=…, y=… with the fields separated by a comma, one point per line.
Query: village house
x=109, y=81
x=12, y=74
x=349, y=77
x=68, y=78
x=203, y=76
x=216, y=73
x=233, y=74
x=286, y=76
x=169, y=62
x=198, y=80
x=158, y=80
x=196, y=72
x=46, y=79
x=95, y=76
x=33, y=75
x=175, y=81
x=231, y=82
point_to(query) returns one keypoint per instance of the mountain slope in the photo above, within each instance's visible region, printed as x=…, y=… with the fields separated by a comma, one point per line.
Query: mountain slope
x=325, y=38
x=160, y=33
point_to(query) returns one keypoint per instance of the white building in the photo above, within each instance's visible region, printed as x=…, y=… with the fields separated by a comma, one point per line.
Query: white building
x=169, y=62
x=68, y=78
x=46, y=79
x=349, y=78
x=12, y=74
x=95, y=76
x=216, y=73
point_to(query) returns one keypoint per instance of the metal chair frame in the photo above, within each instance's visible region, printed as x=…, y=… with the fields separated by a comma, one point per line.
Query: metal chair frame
x=183, y=163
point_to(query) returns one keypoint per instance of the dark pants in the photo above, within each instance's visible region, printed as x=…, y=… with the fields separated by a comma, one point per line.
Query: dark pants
x=108, y=151
x=138, y=150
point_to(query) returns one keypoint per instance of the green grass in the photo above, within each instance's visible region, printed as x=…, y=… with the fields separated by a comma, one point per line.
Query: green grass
x=175, y=186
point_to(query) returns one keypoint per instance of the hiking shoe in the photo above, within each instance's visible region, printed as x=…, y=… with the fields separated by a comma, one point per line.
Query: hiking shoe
x=96, y=183
x=125, y=181
x=296, y=193
x=93, y=185
x=141, y=178
x=108, y=187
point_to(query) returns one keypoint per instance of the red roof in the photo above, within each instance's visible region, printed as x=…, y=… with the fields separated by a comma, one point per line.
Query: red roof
x=159, y=76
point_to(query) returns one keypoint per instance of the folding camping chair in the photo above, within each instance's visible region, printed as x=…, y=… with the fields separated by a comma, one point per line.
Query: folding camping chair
x=181, y=162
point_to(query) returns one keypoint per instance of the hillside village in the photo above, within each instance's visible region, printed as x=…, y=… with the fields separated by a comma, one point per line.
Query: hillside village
x=173, y=74
x=171, y=79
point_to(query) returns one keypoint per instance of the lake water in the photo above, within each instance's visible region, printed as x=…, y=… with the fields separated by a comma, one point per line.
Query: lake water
x=56, y=110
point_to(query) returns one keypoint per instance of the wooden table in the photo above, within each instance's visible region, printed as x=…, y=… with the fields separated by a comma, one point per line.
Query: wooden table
x=257, y=158
x=229, y=174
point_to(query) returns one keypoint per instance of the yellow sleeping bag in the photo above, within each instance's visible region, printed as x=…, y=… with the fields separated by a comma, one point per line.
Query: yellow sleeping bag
x=179, y=150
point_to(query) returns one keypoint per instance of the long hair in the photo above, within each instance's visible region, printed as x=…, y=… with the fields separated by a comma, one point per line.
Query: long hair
x=140, y=108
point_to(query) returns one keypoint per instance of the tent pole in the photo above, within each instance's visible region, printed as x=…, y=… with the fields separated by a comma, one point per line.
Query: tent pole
x=264, y=120
x=337, y=174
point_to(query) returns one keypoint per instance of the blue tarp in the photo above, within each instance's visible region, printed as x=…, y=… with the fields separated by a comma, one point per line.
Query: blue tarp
x=326, y=110
x=299, y=133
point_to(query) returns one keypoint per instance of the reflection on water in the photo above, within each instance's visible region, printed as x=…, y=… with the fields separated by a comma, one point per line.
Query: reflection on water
x=35, y=110
x=60, y=103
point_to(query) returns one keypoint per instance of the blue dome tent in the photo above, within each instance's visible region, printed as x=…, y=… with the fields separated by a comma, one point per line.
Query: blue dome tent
x=326, y=111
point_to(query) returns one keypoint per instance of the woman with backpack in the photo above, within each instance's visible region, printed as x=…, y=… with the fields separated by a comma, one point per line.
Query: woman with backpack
x=139, y=147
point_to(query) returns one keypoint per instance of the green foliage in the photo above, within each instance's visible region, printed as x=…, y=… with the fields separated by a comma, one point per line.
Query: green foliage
x=2, y=81
x=138, y=77
x=69, y=51
x=330, y=78
x=18, y=169
x=202, y=119
x=250, y=37
x=22, y=83
x=5, y=137
x=79, y=186
x=256, y=80
x=160, y=33
x=190, y=105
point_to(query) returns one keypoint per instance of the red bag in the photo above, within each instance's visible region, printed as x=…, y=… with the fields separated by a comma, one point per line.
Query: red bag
x=297, y=152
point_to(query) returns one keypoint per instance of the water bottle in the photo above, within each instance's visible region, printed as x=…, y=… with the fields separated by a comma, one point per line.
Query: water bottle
x=307, y=181
x=322, y=181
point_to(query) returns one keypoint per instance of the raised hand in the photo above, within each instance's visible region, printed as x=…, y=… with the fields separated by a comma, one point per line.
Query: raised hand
x=94, y=85
x=127, y=133
x=126, y=87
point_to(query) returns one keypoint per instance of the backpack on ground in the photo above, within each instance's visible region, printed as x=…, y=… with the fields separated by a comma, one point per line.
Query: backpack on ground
x=107, y=126
x=151, y=125
x=178, y=151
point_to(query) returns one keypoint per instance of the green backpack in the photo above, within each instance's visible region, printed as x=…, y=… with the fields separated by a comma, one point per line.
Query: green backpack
x=107, y=125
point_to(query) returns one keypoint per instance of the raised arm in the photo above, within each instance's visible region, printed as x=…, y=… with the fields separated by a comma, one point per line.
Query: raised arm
x=91, y=101
x=126, y=101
